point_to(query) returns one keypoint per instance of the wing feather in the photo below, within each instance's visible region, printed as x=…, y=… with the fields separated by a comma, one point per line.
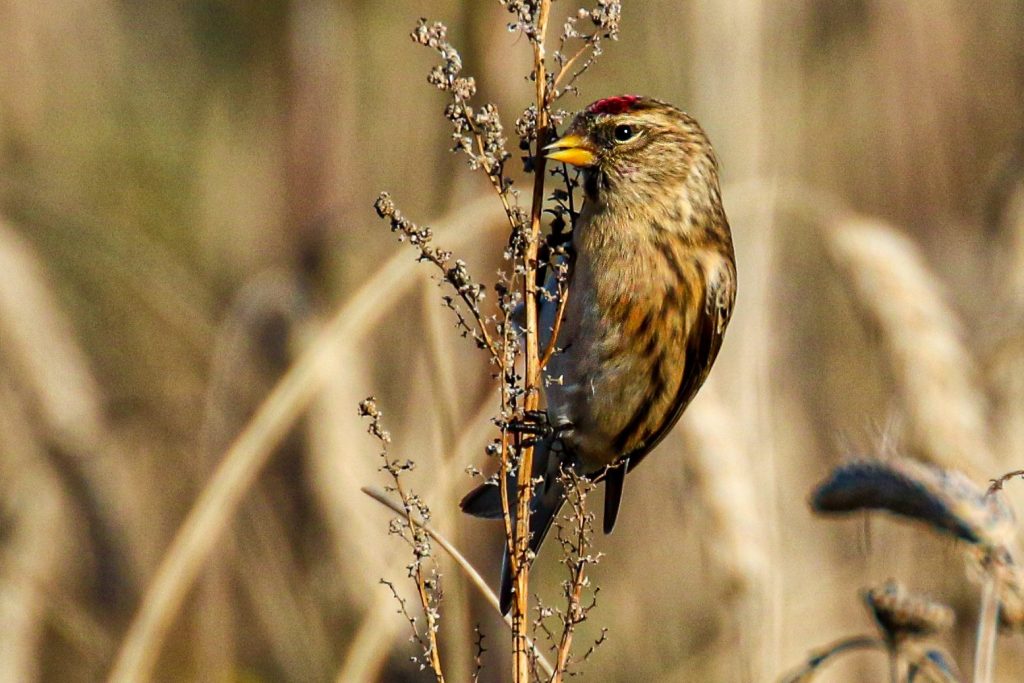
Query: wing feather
x=702, y=346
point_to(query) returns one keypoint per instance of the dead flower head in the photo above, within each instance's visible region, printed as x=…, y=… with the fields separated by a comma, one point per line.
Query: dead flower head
x=902, y=615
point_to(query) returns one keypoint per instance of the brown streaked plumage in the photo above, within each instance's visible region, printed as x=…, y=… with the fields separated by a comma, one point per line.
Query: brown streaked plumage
x=652, y=290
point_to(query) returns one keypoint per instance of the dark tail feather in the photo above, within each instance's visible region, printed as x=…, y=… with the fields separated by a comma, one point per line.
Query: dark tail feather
x=548, y=498
x=614, y=480
x=485, y=500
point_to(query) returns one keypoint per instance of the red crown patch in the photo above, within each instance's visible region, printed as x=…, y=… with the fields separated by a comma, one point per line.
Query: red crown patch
x=614, y=105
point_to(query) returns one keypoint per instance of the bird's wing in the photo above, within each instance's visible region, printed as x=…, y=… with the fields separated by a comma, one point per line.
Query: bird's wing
x=702, y=348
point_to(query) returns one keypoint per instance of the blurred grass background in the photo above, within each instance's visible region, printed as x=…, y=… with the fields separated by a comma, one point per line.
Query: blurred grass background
x=186, y=195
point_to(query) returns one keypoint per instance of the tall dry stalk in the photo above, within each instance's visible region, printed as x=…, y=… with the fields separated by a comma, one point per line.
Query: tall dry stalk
x=531, y=349
x=250, y=451
x=479, y=134
x=38, y=541
x=933, y=372
x=730, y=499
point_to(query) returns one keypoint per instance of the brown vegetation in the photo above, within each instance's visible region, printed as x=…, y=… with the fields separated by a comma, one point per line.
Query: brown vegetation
x=195, y=295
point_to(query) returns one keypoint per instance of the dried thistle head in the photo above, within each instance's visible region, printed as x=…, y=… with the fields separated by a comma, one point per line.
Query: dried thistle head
x=902, y=615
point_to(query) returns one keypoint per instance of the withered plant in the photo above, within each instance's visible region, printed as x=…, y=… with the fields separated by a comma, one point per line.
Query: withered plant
x=505, y=326
x=947, y=502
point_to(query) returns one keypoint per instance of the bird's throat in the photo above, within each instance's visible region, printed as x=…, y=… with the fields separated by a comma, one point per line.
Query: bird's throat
x=592, y=183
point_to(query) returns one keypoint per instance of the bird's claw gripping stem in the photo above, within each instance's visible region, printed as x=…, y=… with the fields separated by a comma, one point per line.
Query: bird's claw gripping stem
x=537, y=426
x=533, y=423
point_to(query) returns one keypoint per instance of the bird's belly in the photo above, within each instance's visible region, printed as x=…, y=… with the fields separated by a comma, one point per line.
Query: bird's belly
x=603, y=388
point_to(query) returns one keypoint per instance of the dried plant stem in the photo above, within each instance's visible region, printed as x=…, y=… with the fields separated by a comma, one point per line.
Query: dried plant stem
x=575, y=612
x=988, y=622
x=563, y=300
x=521, y=565
x=826, y=655
x=429, y=611
x=252, y=448
x=564, y=70
x=565, y=642
x=468, y=569
x=460, y=559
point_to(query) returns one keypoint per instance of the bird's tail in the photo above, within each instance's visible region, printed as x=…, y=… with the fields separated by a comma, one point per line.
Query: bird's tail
x=548, y=497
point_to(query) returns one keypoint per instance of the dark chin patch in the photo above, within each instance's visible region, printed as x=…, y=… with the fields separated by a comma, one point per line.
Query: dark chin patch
x=614, y=105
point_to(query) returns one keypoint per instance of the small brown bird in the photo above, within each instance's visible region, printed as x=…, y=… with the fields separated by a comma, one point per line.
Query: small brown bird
x=651, y=292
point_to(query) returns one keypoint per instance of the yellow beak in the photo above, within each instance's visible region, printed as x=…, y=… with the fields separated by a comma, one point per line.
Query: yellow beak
x=572, y=149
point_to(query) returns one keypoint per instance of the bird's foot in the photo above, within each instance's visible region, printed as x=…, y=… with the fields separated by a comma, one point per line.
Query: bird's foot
x=537, y=426
x=532, y=423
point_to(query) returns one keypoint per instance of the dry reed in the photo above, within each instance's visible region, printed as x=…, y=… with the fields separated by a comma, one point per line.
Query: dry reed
x=147, y=148
x=36, y=529
x=251, y=449
x=729, y=497
x=932, y=371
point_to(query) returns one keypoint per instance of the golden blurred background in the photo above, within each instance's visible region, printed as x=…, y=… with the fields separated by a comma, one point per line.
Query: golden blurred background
x=186, y=195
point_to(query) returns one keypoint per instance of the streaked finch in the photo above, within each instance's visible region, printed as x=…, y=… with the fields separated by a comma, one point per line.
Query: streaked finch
x=651, y=291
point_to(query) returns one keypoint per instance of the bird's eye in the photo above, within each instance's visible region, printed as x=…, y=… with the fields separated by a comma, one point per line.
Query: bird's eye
x=624, y=133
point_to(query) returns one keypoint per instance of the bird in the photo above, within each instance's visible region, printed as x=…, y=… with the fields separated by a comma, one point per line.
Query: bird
x=652, y=286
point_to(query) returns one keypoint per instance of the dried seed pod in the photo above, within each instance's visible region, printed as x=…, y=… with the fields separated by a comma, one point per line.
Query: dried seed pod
x=944, y=499
x=902, y=615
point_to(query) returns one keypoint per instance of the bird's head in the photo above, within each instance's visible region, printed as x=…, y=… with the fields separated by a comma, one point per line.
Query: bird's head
x=633, y=142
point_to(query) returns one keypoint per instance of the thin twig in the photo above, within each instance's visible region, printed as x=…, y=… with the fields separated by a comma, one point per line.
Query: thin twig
x=556, y=328
x=998, y=484
x=565, y=642
x=576, y=560
x=564, y=69
x=468, y=569
x=422, y=591
x=818, y=660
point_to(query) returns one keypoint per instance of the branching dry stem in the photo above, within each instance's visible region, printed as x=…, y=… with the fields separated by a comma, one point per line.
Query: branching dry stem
x=568, y=64
x=521, y=568
x=478, y=134
x=460, y=560
x=413, y=511
x=556, y=328
x=577, y=558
